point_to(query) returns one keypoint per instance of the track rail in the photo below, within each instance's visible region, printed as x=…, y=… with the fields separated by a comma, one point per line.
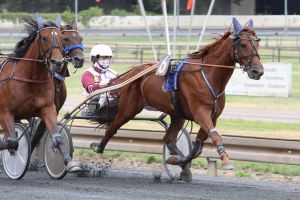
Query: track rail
x=239, y=148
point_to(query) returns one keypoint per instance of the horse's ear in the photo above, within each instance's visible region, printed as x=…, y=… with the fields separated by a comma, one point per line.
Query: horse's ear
x=58, y=20
x=74, y=24
x=249, y=24
x=39, y=20
x=236, y=26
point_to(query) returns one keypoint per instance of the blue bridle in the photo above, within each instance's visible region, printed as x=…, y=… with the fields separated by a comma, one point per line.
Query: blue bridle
x=75, y=46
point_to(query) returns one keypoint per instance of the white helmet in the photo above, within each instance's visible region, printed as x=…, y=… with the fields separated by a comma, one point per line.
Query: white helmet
x=101, y=50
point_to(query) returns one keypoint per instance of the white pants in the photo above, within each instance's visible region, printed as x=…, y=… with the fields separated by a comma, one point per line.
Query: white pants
x=103, y=99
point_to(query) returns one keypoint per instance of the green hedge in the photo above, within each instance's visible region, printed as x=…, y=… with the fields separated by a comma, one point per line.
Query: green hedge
x=67, y=16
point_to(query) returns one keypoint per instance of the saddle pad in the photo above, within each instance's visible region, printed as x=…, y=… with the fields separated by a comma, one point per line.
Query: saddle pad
x=171, y=82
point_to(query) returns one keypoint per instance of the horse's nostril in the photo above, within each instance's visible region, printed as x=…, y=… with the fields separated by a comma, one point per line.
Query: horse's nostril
x=78, y=59
x=254, y=71
x=257, y=72
x=56, y=63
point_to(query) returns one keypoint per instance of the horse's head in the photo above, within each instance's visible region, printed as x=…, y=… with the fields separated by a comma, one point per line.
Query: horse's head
x=73, y=47
x=50, y=41
x=245, y=45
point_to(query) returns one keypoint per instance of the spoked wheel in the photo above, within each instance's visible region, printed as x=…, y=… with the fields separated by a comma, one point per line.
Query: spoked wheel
x=184, y=144
x=16, y=162
x=54, y=161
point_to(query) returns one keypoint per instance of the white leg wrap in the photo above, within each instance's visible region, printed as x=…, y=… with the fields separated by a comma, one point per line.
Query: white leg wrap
x=214, y=130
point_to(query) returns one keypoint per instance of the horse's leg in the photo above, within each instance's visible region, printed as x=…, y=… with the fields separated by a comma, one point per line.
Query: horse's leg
x=130, y=104
x=170, y=137
x=206, y=123
x=59, y=100
x=10, y=137
x=49, y=116
x=170, y=140
x=217, y=140
x=120, y=120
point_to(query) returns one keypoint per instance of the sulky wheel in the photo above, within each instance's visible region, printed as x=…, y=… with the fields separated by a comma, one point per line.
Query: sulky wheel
x=16, y=162
x=184, y=144
x=53, y=159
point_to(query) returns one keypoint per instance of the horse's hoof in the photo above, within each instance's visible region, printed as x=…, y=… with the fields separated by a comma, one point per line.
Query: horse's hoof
x=73, y=167
x=95, y=147
x=173, y=160
x=186, y=175
x=227, y=166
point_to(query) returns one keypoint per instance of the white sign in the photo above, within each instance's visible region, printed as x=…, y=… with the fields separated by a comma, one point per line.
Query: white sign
x=276, y=81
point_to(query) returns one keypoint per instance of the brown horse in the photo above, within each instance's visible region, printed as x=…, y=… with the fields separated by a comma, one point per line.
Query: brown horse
x=27, y=86
x=200, y=94
x=73, y=49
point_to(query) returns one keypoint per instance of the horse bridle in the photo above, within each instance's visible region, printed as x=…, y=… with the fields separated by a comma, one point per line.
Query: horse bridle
x=69, y=49
x=236, y=45
x=46, y=55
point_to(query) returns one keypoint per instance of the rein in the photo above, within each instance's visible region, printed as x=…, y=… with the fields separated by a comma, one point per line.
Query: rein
x=212, y=65
x=12, y=77
x=25, y=59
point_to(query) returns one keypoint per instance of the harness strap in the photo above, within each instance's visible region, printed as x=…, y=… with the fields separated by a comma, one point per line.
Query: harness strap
x=215, y=96
x=58, y=77
x=30, y=80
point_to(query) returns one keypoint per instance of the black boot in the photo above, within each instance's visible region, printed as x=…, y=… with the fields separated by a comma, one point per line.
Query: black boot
x=9, y=143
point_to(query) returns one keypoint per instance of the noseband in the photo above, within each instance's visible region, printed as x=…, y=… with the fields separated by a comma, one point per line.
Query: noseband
x=46, y=56
x=236, y=45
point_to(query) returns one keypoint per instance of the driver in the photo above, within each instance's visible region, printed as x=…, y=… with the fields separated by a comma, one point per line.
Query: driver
x=99, y=75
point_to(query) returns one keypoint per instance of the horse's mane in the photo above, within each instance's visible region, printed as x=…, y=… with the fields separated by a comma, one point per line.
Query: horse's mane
x=204, y=50
x=68, y=27
x=31, y=28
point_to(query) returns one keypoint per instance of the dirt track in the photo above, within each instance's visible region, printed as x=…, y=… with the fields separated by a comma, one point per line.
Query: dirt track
x=139, y=184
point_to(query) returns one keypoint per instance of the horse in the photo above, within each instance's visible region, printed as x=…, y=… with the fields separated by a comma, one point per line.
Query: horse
x=73, y=50
x=199, y=95
x=27, y=86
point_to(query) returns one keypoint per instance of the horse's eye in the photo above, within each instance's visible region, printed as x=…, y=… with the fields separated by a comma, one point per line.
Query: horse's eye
x=44, y=39
x=66, y=39
x=243, y=45
x=258, y=39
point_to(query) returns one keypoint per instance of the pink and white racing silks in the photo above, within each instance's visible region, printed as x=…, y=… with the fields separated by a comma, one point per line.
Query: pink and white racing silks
x=94, y=79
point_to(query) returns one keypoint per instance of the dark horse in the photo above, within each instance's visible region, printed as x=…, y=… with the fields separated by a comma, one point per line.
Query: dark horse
x=27, y=86
x=200, y=94
x=73, y=50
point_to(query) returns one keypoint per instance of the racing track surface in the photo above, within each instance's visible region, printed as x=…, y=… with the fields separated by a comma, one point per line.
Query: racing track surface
x=129, y=184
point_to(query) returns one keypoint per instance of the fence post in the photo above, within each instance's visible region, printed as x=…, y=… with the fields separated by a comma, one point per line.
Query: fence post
x=211, y=167
x=116, y=52
x=142, y=55
x=136, y=51
x=158, y=55
x=278, y=54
